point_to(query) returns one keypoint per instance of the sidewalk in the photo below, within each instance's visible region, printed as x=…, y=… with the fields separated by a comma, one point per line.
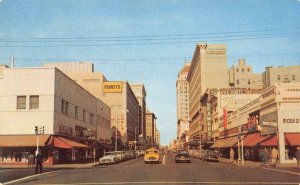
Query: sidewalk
x=253, y=163
x=286, y=167
x=60, y=166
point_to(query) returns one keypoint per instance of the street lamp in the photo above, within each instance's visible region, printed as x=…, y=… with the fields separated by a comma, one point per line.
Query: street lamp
x=135, y=137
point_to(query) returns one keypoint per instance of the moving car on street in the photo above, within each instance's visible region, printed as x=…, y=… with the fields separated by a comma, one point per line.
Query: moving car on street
x=151, y=156
x=182, y=156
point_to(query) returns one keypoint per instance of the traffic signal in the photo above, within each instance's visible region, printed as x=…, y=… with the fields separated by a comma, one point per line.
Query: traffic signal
x=42, y=130
x=36, y=129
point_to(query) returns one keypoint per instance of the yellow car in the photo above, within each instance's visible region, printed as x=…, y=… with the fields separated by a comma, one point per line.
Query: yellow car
x=151, y=155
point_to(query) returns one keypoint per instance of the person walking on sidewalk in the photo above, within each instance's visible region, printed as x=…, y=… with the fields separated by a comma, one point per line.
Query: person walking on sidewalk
x=231, y=154
x=274, y=156
x=298, y=156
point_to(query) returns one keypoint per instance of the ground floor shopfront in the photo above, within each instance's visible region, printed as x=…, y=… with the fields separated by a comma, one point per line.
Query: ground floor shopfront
x=20, y=149
x=253, y=143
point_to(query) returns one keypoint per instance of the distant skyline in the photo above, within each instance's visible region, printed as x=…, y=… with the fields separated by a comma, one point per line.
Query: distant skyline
x=148, y=41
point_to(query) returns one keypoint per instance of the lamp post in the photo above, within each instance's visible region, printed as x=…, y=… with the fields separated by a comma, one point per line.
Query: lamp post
x=135, y=138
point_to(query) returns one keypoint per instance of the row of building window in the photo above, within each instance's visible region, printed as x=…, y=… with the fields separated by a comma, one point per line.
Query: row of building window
x=33, y=102
x=65, y=109
x=243, y=70
x=292, y=89
x=286, y=77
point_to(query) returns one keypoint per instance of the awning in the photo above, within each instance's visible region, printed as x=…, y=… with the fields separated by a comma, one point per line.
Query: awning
x=22, y=140
x=253, y=139
x=292, y=139
x=225, y=143
x=61, y=142
x=271, y=141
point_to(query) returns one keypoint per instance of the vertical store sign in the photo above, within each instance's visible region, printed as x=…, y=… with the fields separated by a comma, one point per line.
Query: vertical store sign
x=208, y=120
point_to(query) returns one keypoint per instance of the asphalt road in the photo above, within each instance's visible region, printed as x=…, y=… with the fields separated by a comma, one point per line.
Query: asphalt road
x=136, y=172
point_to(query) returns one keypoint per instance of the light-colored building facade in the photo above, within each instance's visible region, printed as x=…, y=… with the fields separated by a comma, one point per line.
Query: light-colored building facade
x=46, y=97
x=282, y=74
x=157, y=138
x=140, y=94
x=72, y=67
x=123, y=103
x=241, y=76
x=150, y=127
x=182, y=93
x=208, y=70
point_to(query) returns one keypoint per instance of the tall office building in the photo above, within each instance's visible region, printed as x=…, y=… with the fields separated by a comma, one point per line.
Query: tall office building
x=208, y=70
x=140, y=94
x=182, y=92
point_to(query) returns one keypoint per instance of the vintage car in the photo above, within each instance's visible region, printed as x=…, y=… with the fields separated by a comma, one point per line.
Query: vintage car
x=109, y=158
x=182, y=156
x=151, y=156
x=209, y=155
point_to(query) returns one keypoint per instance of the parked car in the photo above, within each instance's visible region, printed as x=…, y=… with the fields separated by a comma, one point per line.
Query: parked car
x=182, y=156
x=151, y=155
x=209, y=155
x=109, y=158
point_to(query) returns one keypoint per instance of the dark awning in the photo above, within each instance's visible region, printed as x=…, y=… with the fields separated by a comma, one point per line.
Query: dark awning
x=293, y=139
x=253, y=139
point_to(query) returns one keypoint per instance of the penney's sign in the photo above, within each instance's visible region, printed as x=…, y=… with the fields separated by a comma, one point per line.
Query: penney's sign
x=112, y=87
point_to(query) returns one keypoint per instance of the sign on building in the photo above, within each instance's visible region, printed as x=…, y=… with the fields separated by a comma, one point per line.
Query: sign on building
x=112, y=87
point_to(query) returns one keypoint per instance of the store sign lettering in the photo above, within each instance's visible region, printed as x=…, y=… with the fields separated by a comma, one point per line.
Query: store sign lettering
x=291, y=120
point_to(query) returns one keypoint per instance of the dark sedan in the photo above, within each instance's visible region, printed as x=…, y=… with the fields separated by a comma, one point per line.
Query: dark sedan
x=182, y=156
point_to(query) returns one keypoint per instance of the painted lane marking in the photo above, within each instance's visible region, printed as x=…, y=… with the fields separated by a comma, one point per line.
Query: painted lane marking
x=28, y=177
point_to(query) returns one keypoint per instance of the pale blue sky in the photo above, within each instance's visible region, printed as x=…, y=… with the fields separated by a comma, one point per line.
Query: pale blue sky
x=149, y=41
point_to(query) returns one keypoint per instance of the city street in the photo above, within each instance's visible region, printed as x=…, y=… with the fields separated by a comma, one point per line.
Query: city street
x=136, y=172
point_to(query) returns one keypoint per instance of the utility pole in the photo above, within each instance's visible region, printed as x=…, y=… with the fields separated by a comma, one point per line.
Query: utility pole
x=116, y=134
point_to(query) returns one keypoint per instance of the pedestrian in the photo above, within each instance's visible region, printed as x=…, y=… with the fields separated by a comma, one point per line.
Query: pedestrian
x=39, y=163
x=231, y=153
x=264, y=156
x=30, y=160
x=274, y=156
x=298, y=156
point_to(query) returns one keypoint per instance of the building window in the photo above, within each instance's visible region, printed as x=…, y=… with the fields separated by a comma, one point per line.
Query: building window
x=242, y=69
x=293, y=77
x=83, y=115
x=238, y=81
x=248, y=69
x=237, y=70
x=76, y=112
x=249, y=81
x=21, y=102
x=67, y=108
x=34, y=102
x=62, y=108
x=278, y=77
x=91, y=118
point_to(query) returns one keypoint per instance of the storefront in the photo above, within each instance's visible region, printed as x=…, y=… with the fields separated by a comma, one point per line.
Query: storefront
x=54, y=149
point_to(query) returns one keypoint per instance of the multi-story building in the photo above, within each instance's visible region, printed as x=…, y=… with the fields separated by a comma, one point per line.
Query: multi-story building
x=150, y=127
x=72, y=67
x=117, y=95
x=279, y=74
x=270, y=121
x=157, y=138
x=140, y=93
x=241, y=76
x=208, y=70
x=66, y=113
x=182, y=92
